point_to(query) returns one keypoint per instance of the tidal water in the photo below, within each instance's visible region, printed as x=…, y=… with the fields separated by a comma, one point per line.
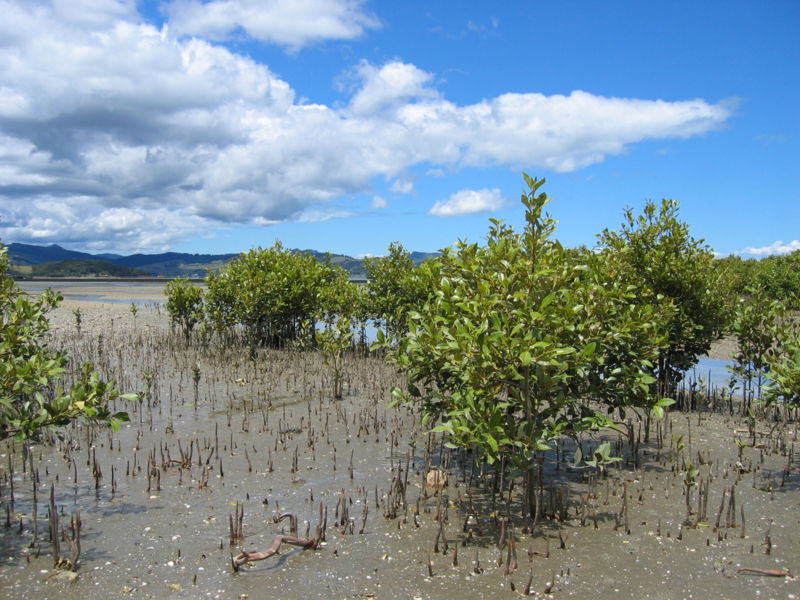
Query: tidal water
x=114, y=292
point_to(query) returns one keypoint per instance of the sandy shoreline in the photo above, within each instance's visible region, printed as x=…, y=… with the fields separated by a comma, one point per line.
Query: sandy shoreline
x=96, y=317
x=114, y=291
x=104, y=305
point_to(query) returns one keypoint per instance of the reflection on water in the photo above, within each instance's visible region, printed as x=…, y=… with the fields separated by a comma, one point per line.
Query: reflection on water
x=714, y=373
x=711, y=372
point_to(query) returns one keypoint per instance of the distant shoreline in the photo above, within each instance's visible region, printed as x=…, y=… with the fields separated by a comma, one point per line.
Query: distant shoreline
x=360, y=280
x=109, y=279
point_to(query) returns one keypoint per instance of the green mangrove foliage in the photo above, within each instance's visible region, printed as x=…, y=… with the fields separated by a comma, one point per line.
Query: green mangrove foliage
x=517, y=335
x=30, y=396
x=778, y=276
x=184, y=304
x=341, y=312
x=784, y=364
x=757, y=324
x=738, y=273
x=271, y=294
x=601, y=457
x=655, y=253
x=338, y=297
x=333, y=341
x=393, y=289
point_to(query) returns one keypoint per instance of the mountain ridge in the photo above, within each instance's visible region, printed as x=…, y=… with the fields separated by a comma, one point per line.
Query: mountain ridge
x=169, y=264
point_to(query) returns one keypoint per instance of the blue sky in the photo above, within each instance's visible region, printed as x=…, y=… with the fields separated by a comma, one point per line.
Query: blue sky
x=342, y=125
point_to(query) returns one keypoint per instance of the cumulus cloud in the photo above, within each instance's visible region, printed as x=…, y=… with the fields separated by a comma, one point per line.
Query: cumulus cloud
x=778, y=247
x=467, y=202
x=89, y=13
x=391, y=86
x=403, y=185
x=136, y=137
x=322, y=215
x=85, y=223
x=291, y=23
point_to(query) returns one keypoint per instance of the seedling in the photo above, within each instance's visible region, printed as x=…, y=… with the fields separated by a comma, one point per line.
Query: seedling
x=601, y=457
x=78, y=316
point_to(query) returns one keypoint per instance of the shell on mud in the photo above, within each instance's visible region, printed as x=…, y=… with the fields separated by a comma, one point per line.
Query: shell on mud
x=436, y=478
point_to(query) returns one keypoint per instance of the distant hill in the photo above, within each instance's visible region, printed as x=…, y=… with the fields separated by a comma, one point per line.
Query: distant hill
x=176, y=264
x=168, y=264
x=76, y=268
x=28, y=254
x=421, y=257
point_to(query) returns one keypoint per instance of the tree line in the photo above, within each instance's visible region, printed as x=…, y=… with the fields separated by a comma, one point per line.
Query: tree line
x=507, y=344
x=505, y=341
x=778, y=276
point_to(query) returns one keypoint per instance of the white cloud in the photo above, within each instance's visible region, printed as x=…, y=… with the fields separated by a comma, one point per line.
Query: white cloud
x=93, y=13
x=778, y=247
x=378, y=202
x=321, y=215
x=390, y=86
x=467, y=202
x=135, y=138
x=402, y=185
x=88, y=224
x=291, y=23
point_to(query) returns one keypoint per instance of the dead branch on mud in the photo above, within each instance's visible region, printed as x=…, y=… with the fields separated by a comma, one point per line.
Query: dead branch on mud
x=303, y=542
x=246, y=557
x=765, y=572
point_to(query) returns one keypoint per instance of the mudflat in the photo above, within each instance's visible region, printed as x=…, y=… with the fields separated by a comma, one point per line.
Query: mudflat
x=223, y=441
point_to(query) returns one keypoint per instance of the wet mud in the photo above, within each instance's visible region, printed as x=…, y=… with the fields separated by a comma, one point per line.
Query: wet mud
x=222, y=443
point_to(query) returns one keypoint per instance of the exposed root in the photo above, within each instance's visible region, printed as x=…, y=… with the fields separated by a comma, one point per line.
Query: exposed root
x=292, y=522
x=246, y=557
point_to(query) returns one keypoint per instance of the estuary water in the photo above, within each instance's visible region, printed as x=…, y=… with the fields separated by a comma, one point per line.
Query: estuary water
x=115, y=292
x=709, y=372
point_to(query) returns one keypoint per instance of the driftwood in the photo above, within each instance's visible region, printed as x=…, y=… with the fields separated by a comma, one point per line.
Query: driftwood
x=766, y=572
x=293, y=540
x=246, y=557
